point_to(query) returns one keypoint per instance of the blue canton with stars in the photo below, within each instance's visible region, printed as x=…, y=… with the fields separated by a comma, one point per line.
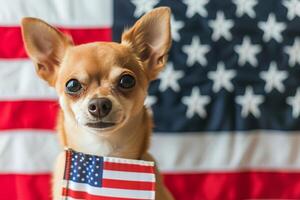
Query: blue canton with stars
x=234, y=64
x=86, y=169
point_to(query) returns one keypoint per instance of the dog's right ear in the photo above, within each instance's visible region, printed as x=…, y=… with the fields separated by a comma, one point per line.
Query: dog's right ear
x=45, y=45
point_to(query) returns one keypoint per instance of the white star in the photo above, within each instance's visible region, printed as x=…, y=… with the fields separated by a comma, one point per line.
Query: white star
x=196, y=6
x=169, y=78
x=250, y=102
x=273, y=78
x=247, y=52
x=295, y=103
x=272, y=28
x=150, y=101
x=293, y=7
x=175, y=27
x=196, y=103
x=221, y=27
x=143, y=6
x=222, y=78
x=245, y=7
x=293, y=52
x=196, y=52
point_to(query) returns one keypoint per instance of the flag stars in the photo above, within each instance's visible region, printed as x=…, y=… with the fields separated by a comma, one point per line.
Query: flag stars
x=250, y=103
x=150, y=101
x=272, y=29
x=169, y=78
x=221, y=27
x=273, y=78
x=143, y=6
x=293, y=8
x=222, y=78
x=196, y=52
x=247, y=52
x=294, y=52
x=195, y=7
x=175, y=28
x=295, y=103
x=245, y=7
x=195, y=103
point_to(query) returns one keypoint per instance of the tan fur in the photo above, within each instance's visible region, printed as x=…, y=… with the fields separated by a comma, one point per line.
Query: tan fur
x=98, y=67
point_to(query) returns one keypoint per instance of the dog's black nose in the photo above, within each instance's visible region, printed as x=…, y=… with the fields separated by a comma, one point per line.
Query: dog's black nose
x=99, y=107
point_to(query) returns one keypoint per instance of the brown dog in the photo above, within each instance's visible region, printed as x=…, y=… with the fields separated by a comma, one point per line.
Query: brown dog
x=102, y=87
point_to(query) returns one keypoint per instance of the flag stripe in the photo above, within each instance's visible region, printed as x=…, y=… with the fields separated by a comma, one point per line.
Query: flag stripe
x=131, y=185
x=129, y=176
x=11, y=44
x=22, y=150
x=128, y=161
x=127, y=167
x=70, y=13
x=214, y=186
x=19, y=81
x=17, y=146
x=25, y=186
x=109, y=192
x=235, y=185
x=84, y=195
x=226, y=150
x=28, y=115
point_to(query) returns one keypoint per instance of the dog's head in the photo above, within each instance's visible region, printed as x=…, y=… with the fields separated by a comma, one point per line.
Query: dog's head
x=103, y=84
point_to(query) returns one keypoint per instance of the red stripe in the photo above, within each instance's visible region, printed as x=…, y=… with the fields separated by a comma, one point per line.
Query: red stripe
x=131, y=185
x=25, y=187
x=128, y=167
x=87, y=196
x=206, y=186
x=11, y=44
x=28, y=114
x=235, y=186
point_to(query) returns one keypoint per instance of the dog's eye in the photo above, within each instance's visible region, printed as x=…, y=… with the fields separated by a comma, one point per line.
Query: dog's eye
x=127, y=81
x=73, y=86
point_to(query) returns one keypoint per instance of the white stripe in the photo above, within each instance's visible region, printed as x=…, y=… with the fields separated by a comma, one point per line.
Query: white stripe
x=259, y=149
x=128, y=176
x=20, y=81
x=67, y=13
x=111, y=192
x=34, y=151
x=128, y=161
x=27, y=151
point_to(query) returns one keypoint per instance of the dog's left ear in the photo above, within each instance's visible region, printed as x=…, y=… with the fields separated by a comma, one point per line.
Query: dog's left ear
x=150, y=39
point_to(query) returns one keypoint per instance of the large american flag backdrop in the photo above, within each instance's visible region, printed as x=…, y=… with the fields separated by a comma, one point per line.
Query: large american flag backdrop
x=226, y=108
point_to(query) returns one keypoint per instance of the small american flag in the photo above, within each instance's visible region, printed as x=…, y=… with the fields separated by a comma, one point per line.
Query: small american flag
x=94, y=177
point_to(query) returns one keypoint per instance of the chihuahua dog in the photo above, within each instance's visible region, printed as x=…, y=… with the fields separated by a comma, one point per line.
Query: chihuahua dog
x=102, y=87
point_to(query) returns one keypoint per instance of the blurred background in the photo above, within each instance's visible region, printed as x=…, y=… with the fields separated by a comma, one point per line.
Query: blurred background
x=226, y=108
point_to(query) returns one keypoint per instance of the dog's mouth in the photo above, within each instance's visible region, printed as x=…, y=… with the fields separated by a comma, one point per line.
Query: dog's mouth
x=101, y=125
